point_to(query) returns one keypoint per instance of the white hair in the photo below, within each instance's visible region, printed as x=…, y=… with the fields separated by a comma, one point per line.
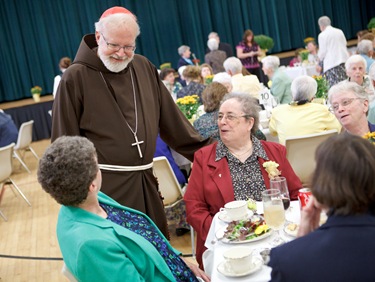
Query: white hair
x=233, y=65
x=213, y=34
x=222, y=77
x=364, y=46
x=324, y=21
x=354, y=59
x=182, y=49
x=304, y=88
x=271, y=62
x=212, y=44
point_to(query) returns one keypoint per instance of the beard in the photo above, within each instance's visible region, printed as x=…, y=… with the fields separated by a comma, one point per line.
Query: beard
x=112, y=62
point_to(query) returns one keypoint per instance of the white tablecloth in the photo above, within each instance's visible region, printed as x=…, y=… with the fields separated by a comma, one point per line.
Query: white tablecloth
x=214, y=255
x=294, y=72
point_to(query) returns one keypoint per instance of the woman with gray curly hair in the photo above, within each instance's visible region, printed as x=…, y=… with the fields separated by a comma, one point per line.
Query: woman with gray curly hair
x=98, y=237
x=232, y=168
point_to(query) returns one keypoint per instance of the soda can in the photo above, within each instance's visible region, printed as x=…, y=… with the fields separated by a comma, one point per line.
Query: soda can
x=304, y=195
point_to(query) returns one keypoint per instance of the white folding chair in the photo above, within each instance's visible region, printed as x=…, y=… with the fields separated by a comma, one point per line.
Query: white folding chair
x=301, y=153
x=6, y=172
x=25, y=136
x=170, y=188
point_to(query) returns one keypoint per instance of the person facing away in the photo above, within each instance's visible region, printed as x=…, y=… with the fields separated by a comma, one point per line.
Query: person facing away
x=215, y=58
x=332, y=51
x=343, y=248
x=64, y=63
x=301, y=117
x=242, y=83
x=100, y=239
x=281, y=82
x=226, y=47
x=232, y=168
x=116, y=99
x=8, y=130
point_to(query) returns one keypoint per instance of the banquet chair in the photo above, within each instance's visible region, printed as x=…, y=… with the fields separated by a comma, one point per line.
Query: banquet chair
x=24, y=140
x=170, y=189
x=300, y=152
x=6, y=172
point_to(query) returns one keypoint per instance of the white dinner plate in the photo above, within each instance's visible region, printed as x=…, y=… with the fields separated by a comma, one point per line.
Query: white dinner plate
x=220, y=234
x=224, y=217
x=257, y=265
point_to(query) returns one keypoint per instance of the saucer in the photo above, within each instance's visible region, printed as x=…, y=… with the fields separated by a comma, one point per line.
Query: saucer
x=224, y=217
x=257, y=265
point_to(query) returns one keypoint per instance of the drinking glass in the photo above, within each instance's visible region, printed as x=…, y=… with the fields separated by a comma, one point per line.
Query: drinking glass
x=274, y=213
x=280, y=184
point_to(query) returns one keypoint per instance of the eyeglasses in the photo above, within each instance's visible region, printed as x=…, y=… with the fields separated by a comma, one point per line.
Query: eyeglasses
x=116, y=47
x=343, y=103
x=229, y=117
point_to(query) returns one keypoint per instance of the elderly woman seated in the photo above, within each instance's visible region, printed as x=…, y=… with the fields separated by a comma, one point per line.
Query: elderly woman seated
x=356, y=71
x=302, y=117
x=281, y=82
x=340, y=249
x=194, y=82
x=232, y=168
x=100, y=239
x=349, y=102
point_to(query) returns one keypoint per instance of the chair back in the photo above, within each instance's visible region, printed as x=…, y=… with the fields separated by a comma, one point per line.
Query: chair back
x=25, y=135
x=301, y=153
x=6, y=153
x=169, y=187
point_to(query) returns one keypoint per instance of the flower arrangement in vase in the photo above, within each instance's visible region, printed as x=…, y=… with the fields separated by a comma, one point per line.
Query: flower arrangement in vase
x=370, y=136
x=36, y=91
x=188, y=105
x=323, y=87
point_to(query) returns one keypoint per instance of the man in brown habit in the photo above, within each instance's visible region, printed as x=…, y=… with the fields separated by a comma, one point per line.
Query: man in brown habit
x=115, y=98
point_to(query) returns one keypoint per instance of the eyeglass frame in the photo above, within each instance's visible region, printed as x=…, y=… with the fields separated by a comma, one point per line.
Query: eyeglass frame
x=344, y=103
x=111, y=46
x=230, y=117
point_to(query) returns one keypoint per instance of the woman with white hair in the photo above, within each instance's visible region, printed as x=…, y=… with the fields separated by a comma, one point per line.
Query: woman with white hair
x=349, y=102
x=184, y=52
x=371, y=111
x=365, y=49
x=281, y=82
x=302, y=117
x=225, y=79
x=356, y=71
x=215, y=58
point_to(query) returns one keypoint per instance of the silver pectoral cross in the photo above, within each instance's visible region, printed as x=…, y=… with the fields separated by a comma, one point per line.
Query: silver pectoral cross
x=136, y=143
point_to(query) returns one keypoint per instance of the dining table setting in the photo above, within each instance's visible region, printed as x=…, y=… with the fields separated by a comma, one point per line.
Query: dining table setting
x=228, y=258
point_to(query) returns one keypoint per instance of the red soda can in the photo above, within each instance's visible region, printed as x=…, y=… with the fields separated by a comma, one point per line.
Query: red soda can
x=304, y=195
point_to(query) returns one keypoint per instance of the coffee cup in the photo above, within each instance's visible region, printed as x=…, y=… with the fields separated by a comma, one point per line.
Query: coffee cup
x=235, y=210
x=238, y=260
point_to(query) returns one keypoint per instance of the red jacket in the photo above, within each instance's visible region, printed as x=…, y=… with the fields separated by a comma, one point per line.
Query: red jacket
x=210, y=186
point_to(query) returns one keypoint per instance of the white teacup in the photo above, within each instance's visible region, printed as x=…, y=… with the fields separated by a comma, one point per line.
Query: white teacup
x=235, y=210
x=238, y=260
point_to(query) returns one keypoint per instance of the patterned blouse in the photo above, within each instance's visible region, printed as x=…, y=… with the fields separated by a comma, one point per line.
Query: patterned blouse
x=247, y=177
x=249, y=62
x=140, y=225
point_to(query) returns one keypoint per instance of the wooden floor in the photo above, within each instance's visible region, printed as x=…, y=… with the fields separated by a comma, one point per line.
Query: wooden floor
x=29, y=249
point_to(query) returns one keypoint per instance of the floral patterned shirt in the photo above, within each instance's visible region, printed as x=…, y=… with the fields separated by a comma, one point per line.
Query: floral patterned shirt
x=247, y=177
x=140, y=225
x=207, y=126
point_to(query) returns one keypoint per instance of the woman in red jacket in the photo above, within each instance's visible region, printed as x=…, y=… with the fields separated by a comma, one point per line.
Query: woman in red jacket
x=232, y=169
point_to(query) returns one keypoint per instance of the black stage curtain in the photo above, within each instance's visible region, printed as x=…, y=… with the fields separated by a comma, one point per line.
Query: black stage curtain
x=36, y=34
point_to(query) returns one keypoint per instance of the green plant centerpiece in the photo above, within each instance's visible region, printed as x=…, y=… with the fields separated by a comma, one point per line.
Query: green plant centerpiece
x=265, y=43
x=371, y=24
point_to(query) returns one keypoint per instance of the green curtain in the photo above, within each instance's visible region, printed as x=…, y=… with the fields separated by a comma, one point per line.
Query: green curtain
x=36, y=34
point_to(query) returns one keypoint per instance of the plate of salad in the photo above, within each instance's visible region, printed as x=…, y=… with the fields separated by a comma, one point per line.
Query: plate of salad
x=244, y=231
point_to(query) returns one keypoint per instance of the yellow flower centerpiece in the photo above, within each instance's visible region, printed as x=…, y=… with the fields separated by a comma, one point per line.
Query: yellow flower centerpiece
x=36, y=91
x=323, y=87
x=272, y=169
x=370, y=136
x=188, y=105
x=208, y=79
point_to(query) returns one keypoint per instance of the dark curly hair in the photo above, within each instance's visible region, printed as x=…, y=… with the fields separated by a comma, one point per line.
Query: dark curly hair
x=67, y=168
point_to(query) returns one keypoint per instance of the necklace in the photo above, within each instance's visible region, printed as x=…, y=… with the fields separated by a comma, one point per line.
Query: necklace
x=240, y=155
x=137, y=142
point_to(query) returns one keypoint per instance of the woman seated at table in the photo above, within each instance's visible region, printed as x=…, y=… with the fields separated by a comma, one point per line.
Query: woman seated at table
x=302, y=117
x=194, y=82
x=281, y=82
x=343, y=248
x=356, y=71
x=232, y=168
x=100, y=239
x=349, y=102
